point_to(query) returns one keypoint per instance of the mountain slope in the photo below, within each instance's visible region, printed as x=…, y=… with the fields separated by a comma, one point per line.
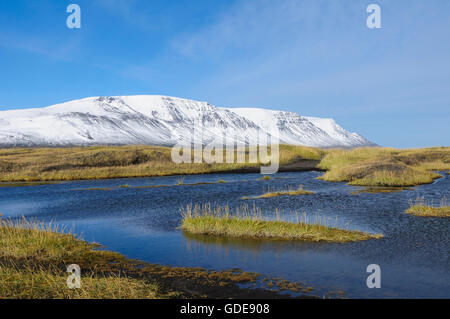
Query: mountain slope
x=162, y=120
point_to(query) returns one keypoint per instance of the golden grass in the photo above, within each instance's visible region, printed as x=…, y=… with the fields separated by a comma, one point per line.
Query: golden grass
x=28, y=283
x=287, y=192
x=421, y=208
x=102, y=162
x=32, y=265
x=370, y=166
x=385, y=166
x=249, y=223
x=291, y=153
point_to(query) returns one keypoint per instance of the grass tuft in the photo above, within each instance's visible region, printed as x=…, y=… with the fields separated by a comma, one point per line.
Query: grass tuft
x=33, y=260
x=287, y=192
x=421, y=208
x=249, y=223
x=30, y=283
x=180, y=180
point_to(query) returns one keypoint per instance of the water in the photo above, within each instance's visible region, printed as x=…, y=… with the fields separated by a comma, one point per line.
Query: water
x=143, y=223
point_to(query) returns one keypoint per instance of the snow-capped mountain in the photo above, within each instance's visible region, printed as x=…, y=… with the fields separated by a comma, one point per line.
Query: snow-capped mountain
x=162, y=120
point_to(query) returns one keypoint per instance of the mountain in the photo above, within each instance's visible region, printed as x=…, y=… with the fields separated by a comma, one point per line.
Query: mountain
x=162, y=120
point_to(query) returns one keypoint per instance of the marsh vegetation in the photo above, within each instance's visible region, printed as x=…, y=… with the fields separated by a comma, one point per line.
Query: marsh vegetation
x=103, y=162
x=420, y=207
x=248, y=222
x=34, y=259
x=385, y=166
x=33, y=262
x=289, y=191
x=370, y=166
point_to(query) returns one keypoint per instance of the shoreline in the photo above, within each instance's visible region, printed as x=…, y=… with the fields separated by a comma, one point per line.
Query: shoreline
x=298, y=166
x=370, y=166
x=51, y=250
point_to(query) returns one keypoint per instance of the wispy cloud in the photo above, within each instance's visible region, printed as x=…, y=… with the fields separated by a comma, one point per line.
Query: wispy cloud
x=128, y=10
x=265, y=25
x=64, y=50
x=306, y=48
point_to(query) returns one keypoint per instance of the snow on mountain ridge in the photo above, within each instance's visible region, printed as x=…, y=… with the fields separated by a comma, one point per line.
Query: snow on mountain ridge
x=161, y=120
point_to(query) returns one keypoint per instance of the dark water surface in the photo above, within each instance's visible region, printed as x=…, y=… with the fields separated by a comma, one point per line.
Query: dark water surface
x=142, y=223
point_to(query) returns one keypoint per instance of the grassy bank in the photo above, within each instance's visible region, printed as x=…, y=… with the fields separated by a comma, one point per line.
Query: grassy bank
x=426, y=209
x=385, y=166
x=101, y=162
x=287, y=192
x=249, y=223
x=34, y=260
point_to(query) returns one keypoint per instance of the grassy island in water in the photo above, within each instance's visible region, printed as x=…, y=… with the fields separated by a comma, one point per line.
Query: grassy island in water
x=249, y=223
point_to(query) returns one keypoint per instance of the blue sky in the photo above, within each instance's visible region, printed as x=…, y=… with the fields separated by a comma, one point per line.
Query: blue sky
x=317, y=58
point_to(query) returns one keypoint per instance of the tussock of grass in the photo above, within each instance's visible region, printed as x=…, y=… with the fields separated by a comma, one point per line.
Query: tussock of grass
x=33, y=259
x=24, y=239
x=288, y=192
x=385, y=166
x=249, y=223
x=28, y=283
x=421, y=208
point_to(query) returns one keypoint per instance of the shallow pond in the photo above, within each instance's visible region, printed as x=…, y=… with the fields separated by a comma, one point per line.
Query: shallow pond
x=143, y=223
